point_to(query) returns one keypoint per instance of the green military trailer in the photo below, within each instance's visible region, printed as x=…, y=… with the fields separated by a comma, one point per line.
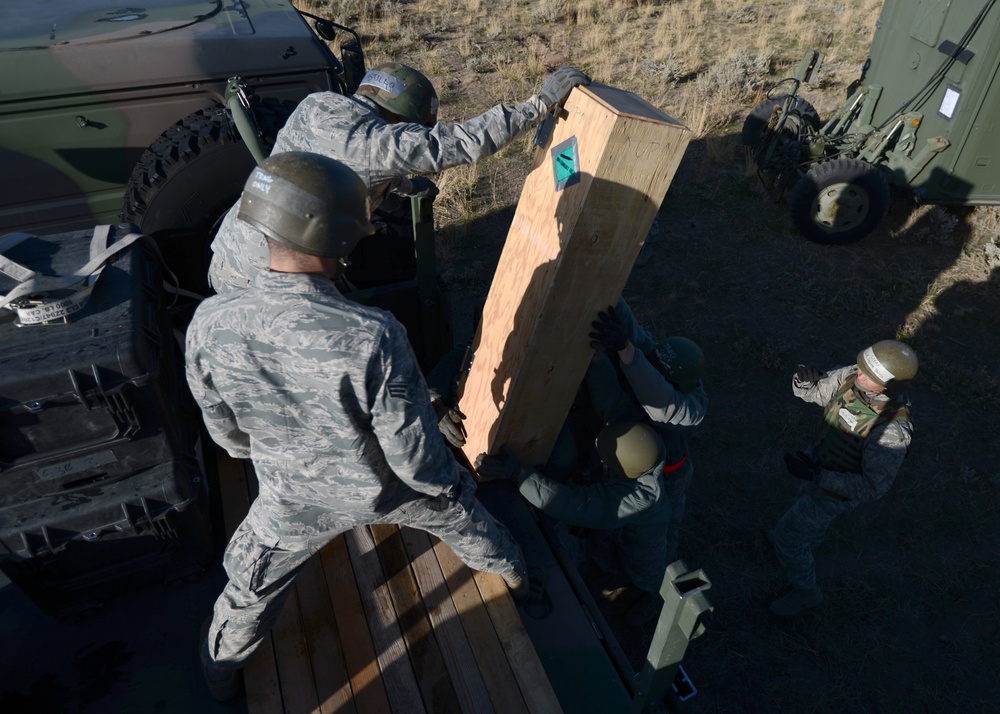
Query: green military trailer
x=921, y=116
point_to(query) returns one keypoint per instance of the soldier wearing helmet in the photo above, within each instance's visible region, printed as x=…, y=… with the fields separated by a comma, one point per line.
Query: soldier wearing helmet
x=660, y=381
x=863, y=439
x=385, y=132
x=623, y=505
x=653, y=389
x=325, y=396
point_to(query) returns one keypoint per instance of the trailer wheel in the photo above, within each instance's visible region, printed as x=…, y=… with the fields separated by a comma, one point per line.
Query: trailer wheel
x=839, y=202
x=803, y=114
x=187, y=180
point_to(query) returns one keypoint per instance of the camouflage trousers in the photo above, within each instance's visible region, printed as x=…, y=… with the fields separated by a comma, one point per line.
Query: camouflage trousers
x=802, y=529
x=261, y=571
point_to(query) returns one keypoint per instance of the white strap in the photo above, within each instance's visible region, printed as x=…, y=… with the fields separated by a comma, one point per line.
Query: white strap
x=8, y=266
x=82, y=281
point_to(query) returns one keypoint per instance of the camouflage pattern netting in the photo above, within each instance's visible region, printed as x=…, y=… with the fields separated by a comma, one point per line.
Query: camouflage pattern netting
x=326, y=398
x=806, y=522
x=349, y=129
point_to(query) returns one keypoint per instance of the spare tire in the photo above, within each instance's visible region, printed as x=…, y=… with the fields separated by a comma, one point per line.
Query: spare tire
x=755, y=125
x=189, y=178
x=839, y=202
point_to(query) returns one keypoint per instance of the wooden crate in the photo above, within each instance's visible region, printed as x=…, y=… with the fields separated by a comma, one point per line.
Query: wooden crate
x=585, y=210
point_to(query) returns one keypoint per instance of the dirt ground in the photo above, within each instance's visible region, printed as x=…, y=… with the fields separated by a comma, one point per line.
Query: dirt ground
x=910, y=621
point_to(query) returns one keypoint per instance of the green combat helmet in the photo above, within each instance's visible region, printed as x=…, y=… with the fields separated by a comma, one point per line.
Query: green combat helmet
x=311, y=203
x=890, y=363
x=629, y=449
x=401, y=90
x=683, y=360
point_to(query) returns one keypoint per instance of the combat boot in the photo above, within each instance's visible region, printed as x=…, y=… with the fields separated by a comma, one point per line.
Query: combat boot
x=797, y=601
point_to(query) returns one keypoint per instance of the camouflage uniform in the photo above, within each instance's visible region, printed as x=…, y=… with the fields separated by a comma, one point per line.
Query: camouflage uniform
x=350, y=130
x=630, y=513
x=674, y=414
x=819, y=502
x=325, y=396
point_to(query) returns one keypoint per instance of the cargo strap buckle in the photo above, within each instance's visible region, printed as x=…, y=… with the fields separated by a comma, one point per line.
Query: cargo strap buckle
x=35, y=298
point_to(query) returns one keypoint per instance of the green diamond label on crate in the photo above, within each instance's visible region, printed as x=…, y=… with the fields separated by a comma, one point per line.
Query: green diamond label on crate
x=566, y=163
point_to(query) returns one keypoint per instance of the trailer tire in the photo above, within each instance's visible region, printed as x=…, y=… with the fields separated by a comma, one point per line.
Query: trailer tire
x=755, y=125
x=839, y=202
x=188, y=179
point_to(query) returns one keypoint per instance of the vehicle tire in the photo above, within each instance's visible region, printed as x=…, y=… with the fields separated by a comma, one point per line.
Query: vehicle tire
x=755, y=125
x=189, y=178
x=839, y=202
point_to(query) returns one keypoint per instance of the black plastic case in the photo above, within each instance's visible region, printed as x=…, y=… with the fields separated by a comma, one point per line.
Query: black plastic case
x=100, y=478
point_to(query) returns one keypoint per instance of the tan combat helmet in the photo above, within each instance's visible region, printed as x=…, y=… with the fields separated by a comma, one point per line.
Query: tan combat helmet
x=889, y=363
x=629, y=449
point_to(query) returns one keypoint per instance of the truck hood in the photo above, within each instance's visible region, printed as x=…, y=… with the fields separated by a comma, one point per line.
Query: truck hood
x=81, y=46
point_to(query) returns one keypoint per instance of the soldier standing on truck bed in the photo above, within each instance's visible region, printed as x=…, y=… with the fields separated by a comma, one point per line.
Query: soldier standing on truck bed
x=386, y=131
x=865, y=435
x=325, y=396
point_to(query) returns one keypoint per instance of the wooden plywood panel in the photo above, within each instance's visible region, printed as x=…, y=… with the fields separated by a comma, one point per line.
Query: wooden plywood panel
x=291, y=653
x=333, y=686
x=390, y=648
x=528, y=670
x=455, y=646
x=425, y=654
x=359, y=652
x=568, y=254
x=497, y=672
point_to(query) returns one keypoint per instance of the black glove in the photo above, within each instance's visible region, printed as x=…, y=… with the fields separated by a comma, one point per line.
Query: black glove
x=502, y=467
x=421, y=187
x=449, y=420
x=807, y=375
x=800, y=465
x=559, y=84
x=608, y=332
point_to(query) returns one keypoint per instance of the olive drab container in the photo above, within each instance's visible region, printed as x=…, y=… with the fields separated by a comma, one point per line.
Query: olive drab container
x=101, y=483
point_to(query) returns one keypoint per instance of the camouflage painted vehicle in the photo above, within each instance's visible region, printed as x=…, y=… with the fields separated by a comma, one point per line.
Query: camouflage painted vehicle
x=112, y=112
x=919, y=117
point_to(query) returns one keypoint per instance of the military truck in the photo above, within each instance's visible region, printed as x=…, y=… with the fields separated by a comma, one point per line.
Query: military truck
x=112, y=113
x=919, y=117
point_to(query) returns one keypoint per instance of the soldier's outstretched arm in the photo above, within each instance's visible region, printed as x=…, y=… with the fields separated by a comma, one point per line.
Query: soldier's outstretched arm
x=660, y=400
x=823, y=388
x=416, y=149
x=600, y=506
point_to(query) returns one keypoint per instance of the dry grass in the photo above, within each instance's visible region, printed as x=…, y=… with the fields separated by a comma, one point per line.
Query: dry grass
x=909, y=622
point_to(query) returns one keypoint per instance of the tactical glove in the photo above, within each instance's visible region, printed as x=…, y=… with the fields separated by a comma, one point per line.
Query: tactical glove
x=559, y=84
x=801, y=466
x=807, y=375
x=608, y=332
x=420, y=187
x=502, y=467
x=450, y=423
